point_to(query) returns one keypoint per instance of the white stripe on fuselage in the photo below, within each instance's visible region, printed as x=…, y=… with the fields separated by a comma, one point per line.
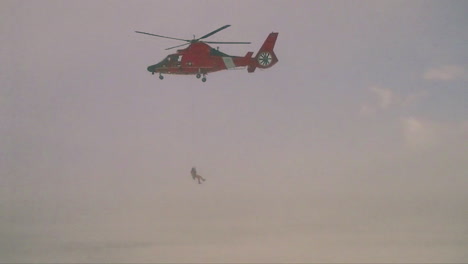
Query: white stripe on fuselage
x=228, y=62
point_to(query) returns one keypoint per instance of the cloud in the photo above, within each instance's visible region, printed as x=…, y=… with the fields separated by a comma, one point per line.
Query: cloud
x=445, y=73
x=422, y=133
x=418, y=133
x=386, y=96
x=367, y=110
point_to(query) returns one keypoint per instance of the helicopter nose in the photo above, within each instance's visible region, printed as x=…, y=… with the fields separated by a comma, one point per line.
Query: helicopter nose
x=155, y=67
x=152, y=68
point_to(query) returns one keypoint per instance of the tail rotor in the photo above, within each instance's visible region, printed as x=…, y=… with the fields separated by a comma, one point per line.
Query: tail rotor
x=266, y=57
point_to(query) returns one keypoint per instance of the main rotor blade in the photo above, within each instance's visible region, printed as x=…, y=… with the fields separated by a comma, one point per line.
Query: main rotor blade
x=213, y=32
x=162, y=36
x=177, y=46
x=221, y=42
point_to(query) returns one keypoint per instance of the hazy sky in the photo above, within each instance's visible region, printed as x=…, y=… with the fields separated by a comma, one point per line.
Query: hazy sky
x=353, y=148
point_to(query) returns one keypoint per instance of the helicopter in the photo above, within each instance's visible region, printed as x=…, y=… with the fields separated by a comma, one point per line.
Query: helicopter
x=199, y=58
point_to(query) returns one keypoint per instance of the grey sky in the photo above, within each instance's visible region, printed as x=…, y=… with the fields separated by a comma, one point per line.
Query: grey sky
x=353, y=148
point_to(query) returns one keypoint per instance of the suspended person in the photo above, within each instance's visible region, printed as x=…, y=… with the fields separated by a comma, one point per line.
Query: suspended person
x=196, y=176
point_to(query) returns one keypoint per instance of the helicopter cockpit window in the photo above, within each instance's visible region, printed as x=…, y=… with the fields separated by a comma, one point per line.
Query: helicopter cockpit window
x=173, y=59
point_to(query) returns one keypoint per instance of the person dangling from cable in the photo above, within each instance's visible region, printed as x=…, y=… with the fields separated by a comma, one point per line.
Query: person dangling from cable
x=196, y=176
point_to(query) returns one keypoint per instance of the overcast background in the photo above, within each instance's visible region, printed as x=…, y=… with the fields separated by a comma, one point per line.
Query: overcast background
x=353, y=148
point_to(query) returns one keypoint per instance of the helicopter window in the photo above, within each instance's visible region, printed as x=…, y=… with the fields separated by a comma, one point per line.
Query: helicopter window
x=214, y=52
x=174, y=59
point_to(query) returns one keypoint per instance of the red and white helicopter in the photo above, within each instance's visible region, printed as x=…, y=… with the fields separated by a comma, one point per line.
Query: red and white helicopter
x=200, y=59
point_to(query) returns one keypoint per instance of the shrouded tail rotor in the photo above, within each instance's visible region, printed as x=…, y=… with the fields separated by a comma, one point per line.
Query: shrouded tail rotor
x=265, y=57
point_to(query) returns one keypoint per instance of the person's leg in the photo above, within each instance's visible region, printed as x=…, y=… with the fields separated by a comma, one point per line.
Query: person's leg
x=201, y=178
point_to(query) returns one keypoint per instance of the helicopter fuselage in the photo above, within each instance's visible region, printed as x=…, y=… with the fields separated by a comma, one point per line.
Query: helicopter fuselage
x=199, y=58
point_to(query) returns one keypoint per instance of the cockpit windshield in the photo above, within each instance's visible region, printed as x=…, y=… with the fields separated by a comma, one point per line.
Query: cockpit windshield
x=171, y=60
